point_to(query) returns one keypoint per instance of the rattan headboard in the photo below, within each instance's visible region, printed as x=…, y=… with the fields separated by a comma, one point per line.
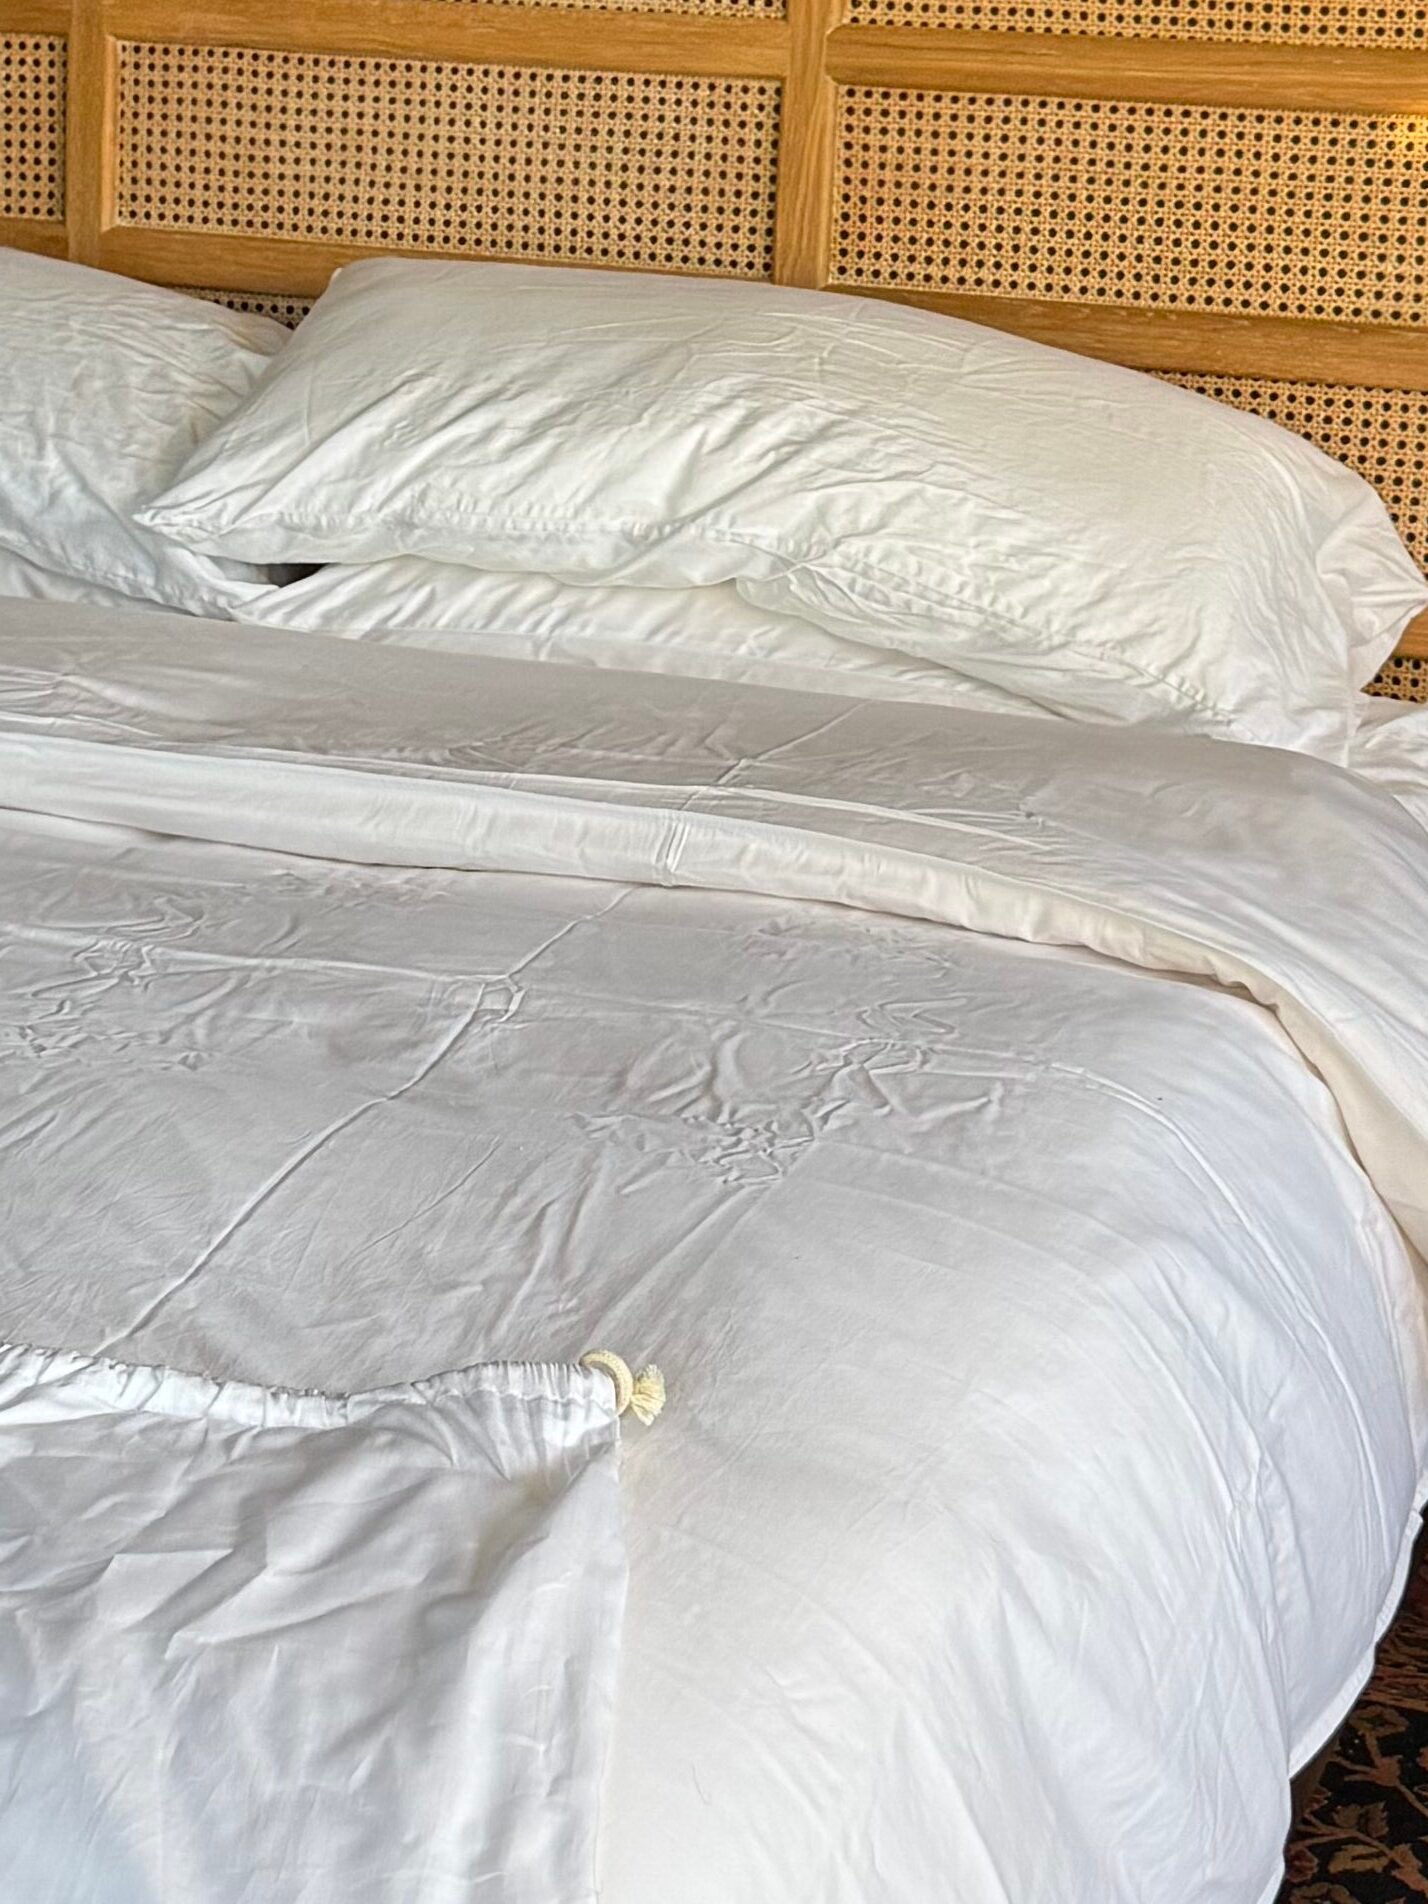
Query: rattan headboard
x=1231, y=192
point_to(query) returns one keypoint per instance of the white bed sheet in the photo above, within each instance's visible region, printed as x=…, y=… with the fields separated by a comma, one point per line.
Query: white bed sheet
x=1049, y=1376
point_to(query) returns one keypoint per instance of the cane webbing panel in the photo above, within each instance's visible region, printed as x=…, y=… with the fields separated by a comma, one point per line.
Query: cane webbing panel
x=1383, y=434
x=1289, y=22
x=1092, y=201
x=1405, y=680
x=275, y=304
x=32, y=102
x=657, y=170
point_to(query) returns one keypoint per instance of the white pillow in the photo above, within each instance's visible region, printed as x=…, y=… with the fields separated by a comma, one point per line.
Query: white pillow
x=712, y=633
x=26, y=581
x=1108, y=545
x=108, y=386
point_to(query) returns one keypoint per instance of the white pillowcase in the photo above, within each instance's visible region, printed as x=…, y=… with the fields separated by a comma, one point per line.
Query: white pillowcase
x=26, y=581
x=108, y=386
x=1073, y=532
x=711, y=633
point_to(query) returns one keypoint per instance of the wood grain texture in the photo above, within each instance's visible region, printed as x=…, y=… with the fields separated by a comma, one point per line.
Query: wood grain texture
x=1175, y=72
x=45, y=235
x=1414, y=644
x=34, y=16
x=236, y=263
x=89, y=146
x=572, y=39
x=807, y=148
x=1287, y=23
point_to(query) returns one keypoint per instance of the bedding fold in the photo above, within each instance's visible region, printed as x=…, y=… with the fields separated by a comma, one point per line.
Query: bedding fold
x=1249, y=867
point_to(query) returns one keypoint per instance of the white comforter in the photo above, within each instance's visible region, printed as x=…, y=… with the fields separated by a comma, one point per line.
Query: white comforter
x=1050, y=1382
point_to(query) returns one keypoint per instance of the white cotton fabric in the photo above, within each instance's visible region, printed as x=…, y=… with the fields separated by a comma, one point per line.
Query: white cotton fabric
x=712, y=633
x=622, y=776
x=26, y=581
x=1065, y=530
x=1390, y=750
x=109, y=385
x=1051, y=1376
x=260, y=1647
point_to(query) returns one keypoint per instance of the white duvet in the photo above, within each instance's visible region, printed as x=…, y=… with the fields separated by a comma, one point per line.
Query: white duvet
x=1005, y=1134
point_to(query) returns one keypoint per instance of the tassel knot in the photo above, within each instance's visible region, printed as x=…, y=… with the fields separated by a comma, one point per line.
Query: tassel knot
x=641, y=1395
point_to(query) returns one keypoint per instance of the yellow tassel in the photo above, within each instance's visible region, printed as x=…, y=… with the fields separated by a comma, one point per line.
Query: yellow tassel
x=647, y=1396
x=640, y=1395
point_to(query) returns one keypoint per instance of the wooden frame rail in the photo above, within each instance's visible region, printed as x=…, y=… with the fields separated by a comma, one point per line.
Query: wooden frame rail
x=1414, y=645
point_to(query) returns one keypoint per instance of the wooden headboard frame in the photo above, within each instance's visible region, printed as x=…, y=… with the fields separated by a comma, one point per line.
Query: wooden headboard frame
x=1233, y=192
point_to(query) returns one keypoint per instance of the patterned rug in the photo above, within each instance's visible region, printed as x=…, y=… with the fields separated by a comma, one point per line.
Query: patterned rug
x=1364, y=1840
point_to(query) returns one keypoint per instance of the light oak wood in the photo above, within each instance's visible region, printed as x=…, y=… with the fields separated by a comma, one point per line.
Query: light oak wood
x=807, y=156
x=223, y=262
x=1177, y=72
x=35, y=234
x=90, y=140
x=34, y=16
x=469, y=30
x=1415, y=639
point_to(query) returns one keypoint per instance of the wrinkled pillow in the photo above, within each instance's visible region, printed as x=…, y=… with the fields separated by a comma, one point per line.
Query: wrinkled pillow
x=26, y=581
x=1081, y=535
x=109, y=385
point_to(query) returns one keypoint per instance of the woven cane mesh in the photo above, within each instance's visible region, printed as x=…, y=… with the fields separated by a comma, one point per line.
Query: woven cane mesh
x=1383, y=434
x=1403, y=679
x=1289, y=22
x=275, y=304
x=1196, y=208
x=32, y=98
x=663, y=171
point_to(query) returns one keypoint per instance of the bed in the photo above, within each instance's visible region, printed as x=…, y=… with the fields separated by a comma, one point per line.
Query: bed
x=1007, y=1134
x=1009, y=1525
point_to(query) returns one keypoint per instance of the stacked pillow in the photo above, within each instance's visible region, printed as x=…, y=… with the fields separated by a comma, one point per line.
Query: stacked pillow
x=1061, y=530
x=706, y=632
x=704, y=477
x=111, y=385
